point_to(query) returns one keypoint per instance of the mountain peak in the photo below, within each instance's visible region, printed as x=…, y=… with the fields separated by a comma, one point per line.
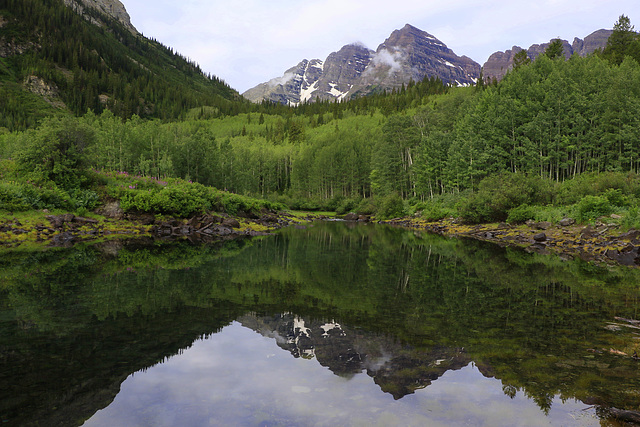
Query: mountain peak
x=409, y=54
x=113, y=8
x=500, y=62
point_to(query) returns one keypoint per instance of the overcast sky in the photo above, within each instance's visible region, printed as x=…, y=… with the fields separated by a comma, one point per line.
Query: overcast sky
x=247, y=42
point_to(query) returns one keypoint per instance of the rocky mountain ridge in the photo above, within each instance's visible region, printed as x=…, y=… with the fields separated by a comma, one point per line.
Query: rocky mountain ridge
x=500, y=62
x=112, y=8
x=408, y=54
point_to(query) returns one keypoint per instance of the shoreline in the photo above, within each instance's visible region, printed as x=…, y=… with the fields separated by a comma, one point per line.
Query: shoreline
x=601, y=243
x=46, y=230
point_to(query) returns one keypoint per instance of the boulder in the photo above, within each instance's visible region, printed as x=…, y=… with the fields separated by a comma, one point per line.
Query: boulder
x=540, y=237
x=231, y=223
x=351, y=216
x=111, y=210
x=566, y=222
x=543, y=225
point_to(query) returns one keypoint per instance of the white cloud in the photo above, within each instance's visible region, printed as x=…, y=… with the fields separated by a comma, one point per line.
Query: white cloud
x=247, y=42
x=391, y=59
x=281, y=81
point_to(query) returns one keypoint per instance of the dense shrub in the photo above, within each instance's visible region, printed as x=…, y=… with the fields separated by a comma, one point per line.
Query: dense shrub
x=390, y=206
x=521, y=214
x=56, y=152
x=347, y=205
x=498, y=194
x=592, y=207
x=595, y=184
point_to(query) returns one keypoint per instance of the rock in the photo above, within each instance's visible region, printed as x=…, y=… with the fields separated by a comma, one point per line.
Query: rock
x=351, y=216
x=588, y=232
x=500, y=62
x=364, y=218
x=408, y=54
x=83, y=220
x=56, y=221
x=540, y=237
x=631, y=235
x=543, y=225
x=625, y=416
x=231, y=222
x=566, y=222
x=111, y=210
x=63, y=239
x=67, y=217
x=616, y=216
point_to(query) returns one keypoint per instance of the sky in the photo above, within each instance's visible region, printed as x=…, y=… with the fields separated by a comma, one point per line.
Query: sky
x=248, y=42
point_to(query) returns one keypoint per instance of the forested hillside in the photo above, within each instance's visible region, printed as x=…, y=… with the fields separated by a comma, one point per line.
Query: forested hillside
x=52, y=61
x=548, y=125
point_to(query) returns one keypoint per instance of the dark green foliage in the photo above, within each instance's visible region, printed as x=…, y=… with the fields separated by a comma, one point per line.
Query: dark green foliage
x=93, y=67
x=347, y=205
x=58, y=153
x=555, y=49
x=592, y=207
x=624, y=41
x=179, y=198
x=390, y=206
x=497, y=195
x=521, y=59
x=593, y=184
x=20, y=197
x=521, y=214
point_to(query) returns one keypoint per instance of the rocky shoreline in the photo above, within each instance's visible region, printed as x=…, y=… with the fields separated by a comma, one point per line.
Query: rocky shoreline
x=67, y=229
x=601, y=242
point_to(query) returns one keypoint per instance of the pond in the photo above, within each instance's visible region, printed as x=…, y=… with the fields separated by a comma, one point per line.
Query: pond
x=330, y=324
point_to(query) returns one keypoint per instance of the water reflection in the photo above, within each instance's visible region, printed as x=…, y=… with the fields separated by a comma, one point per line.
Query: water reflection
x=237, y=377
x=395, y=325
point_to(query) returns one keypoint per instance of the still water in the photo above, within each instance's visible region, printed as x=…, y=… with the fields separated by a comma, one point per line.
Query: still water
x=334, y=324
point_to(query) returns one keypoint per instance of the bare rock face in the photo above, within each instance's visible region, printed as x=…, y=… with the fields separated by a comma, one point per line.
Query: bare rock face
x=49, y=92
x=500, y=62
x=292, y=88
x=412, y=54
x=341, y=71
x=112, y=8
x=409, y=54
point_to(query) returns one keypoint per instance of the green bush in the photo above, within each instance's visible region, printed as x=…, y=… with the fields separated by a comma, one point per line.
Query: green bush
x=346, y=206
x=592, y=207
x=521, y=214
x=366, y=207
x=631, y=219
x=391, y=206
x=87, y=200
x=595, y=184
x=11, y=199
x=498, y=194
x=56, y=152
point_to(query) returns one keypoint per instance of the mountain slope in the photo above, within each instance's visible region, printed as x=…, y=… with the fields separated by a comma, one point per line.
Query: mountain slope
x=500, y=62
x=74, y=58
x=409, y=54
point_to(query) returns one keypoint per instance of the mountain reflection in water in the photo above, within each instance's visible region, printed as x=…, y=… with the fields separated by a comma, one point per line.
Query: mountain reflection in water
x=355, y=324
x=237, y=377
